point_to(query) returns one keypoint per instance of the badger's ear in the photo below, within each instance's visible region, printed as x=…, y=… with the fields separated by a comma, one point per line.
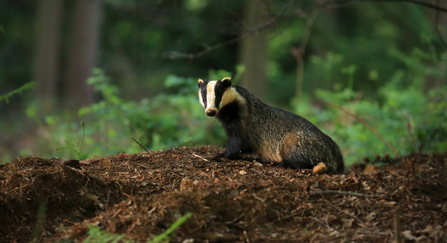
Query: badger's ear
x=200, y=82
x=226, y=81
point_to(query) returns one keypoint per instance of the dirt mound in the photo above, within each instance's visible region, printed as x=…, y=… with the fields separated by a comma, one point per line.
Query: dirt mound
x=141, y=195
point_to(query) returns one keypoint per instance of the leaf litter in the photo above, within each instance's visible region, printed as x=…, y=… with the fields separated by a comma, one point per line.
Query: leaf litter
x=142, y=195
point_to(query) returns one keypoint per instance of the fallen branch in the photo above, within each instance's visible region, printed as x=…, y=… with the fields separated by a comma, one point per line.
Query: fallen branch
x=344, y=193
x=367, y=126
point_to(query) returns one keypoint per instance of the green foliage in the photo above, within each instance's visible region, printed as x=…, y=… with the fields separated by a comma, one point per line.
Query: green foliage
x=349, y=44
x=70, y=144
x=170, y=119
x=25, y=87
x=96, y=235
x=164, y=236
x=408, y=117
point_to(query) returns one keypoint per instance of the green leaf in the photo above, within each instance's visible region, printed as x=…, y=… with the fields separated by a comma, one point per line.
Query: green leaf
x=25, y=87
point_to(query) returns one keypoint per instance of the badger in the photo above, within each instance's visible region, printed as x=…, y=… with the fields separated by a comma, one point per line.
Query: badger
x=277, y=136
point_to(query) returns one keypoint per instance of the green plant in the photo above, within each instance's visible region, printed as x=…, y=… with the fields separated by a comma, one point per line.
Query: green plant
x=170, y=119
x=409, y=118
x=164, y=235
x=25, y=87
x=96, y=235
x=72, y=146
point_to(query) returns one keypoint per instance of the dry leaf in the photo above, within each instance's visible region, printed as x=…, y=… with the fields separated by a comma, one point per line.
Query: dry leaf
x=347, y=223
x=370, y=169
x=407, y=234
x=186, y=185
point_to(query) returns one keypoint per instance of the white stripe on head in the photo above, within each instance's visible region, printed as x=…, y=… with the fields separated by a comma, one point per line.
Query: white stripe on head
x=211, y=96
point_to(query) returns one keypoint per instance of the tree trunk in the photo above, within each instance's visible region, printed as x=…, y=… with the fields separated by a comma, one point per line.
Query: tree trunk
x=47, y=52
x=253, y=52
x=82, y=53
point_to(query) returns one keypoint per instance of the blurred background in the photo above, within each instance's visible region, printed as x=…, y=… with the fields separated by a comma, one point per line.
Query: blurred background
x=81, y=78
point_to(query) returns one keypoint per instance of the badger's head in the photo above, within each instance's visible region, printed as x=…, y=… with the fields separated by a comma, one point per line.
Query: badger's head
x=215, y=95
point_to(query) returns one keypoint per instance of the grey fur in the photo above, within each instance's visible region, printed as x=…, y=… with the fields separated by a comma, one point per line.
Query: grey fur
x=274, y=134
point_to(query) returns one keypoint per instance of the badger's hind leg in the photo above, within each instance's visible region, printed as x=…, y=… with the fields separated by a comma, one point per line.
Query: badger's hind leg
x=292, y=153
x=303, y=152
x=296, y=161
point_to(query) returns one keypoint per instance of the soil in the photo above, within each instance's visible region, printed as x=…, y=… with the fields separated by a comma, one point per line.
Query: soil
x=142, y=195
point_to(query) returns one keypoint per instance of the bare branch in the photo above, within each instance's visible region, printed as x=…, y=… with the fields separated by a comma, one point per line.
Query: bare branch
x=299, y=52
x=140, y=144
x=437, y=26
x=254, y=30
x=280, y=16
x=424, y=4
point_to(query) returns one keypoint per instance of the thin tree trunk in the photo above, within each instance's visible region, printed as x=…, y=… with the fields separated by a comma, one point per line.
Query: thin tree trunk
x=82, y=53
x=253, y=52
x=47, y=52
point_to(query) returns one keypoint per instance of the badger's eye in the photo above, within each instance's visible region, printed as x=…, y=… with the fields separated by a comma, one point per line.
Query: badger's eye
x=203, y=98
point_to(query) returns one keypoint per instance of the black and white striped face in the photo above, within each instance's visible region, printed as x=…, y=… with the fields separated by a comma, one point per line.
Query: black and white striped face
x=214, y=95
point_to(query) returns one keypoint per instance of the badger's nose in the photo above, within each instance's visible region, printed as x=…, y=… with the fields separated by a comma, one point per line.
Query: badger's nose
x=211, y=112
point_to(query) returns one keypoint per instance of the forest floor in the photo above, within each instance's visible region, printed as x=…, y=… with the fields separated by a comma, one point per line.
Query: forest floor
x=142, y=195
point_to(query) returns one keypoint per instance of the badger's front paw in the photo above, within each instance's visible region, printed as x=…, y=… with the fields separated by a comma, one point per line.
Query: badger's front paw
x=229, y=155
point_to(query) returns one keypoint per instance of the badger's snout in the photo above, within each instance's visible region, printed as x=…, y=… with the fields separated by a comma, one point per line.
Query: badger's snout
x=210, y=112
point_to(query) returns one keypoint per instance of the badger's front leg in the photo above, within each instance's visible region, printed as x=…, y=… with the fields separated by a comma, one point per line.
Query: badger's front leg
x=233, y=149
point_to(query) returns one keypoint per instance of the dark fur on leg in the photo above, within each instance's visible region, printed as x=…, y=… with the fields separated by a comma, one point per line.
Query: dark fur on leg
x=296, y=161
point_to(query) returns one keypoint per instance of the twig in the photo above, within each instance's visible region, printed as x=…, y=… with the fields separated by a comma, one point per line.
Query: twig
x=106, y=218
x=246, y=237
x=411, y=167
x=255, y=30
x=437, y=26
x=367, y=126
x=280, y=17
x=236, y=219
x=373, y=233
x=198, y=156
x=344, y=193
x=321, y=222
x=140, y=145
x=424, y=4
x=341, y=210
x=131, y=199
x=396, y=224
